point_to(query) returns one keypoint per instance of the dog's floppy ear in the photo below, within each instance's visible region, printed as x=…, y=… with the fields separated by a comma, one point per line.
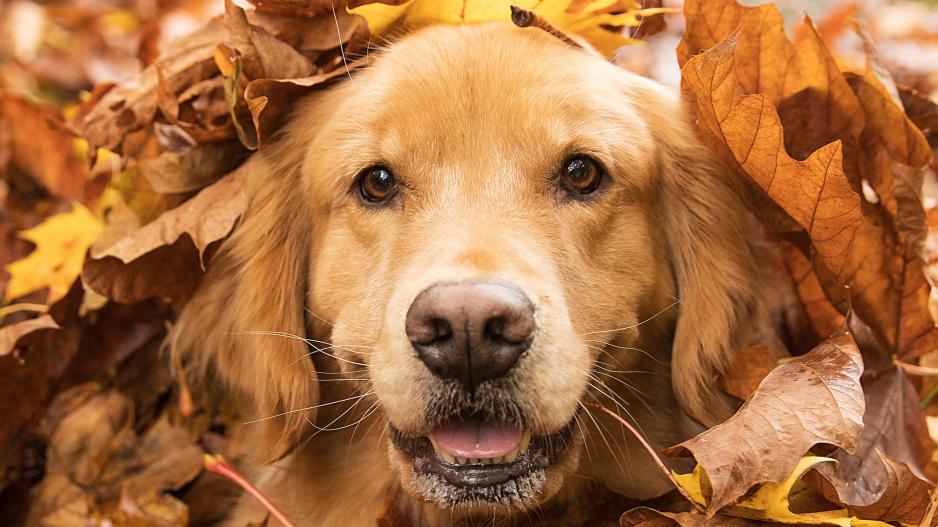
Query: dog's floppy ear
x=715, y=253
x=257, y=283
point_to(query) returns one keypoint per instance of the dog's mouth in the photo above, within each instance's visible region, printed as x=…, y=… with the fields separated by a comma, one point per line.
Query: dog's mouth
x=476, y=460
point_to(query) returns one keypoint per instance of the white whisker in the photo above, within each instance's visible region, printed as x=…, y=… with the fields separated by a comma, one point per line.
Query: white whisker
x=324, y=321
x=309, y=408
x=341, y=46
x=676, y=302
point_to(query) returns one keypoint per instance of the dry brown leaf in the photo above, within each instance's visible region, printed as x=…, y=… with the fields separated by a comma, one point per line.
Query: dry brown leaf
x=298, y=8
x=893, y=425
x=30, y=379
x=98, y=467
x=812, y=399
x=647, y=517
x=269, y=100
x=747, y=368
x=924, y=113
x=180, y=174
x=746, y=128
x=163, y=258
x=319, y=33
x=197, y=115
x=11, y=334
x=42, y=147
x=852, y=242
x=801, y=80
x=133, y=104
x=822, y=317
x=263, y=56
x=904, y=499
x=893, y=150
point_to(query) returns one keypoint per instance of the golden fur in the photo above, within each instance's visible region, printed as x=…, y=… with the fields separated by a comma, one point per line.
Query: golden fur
x=650, y=283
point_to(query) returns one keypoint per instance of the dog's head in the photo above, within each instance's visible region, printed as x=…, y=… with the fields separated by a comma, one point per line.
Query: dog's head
x=474, y=230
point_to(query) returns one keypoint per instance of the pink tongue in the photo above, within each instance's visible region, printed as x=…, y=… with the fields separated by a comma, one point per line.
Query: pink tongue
x=475, y=439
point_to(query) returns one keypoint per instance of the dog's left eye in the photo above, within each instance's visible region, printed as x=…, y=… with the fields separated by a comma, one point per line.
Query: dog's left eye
x=377, y=184
x=581, y=175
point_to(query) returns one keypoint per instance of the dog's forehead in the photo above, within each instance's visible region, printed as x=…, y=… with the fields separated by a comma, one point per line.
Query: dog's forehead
x=485, y=98
x=496, y=80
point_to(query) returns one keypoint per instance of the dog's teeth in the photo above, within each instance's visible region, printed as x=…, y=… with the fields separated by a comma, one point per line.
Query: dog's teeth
x=511, y=456
x=462, y=460
x=525, y=441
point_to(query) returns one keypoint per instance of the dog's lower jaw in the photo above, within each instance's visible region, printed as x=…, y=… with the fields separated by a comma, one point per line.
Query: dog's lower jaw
x=430, y=497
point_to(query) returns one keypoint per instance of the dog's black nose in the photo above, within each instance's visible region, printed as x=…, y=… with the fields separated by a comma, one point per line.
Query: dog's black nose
x=470, y=331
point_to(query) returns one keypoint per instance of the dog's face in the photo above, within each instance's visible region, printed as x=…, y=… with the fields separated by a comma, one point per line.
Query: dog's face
x=488, y=228
x=478, y=222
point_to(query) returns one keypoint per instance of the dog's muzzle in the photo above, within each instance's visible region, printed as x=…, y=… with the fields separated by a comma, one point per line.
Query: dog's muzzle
x=472, y=335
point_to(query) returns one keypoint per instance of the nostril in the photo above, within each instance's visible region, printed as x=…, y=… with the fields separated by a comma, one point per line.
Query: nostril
x=495, y=328
x=441, y=330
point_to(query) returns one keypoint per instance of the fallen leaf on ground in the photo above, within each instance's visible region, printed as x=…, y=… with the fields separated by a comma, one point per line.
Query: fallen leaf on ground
x=894, y=425
x=172, y=246
x=822, y=317
x=647, y=517
x=42, y=147
x=772, y=502
x=321, y=33
x=262, y=54
x=11, y=334
x=98, y=467
x=904, y=499
x=132, y=105
x=747, y=107
x=747, y=368
x=61, y=242
x=812, y=399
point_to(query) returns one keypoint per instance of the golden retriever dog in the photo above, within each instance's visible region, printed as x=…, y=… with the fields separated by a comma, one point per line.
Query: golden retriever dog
x=448, y=261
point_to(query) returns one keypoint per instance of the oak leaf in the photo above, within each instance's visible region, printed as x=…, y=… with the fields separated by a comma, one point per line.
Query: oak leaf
x=812, y=399
x=262, y=54
x=647, y=517
x=772, y=502
x=163, y=258
x=101, y=468
x=320, y=33
x=850, y=241
x=904, y=499
x=133, y=104
x=891, y=451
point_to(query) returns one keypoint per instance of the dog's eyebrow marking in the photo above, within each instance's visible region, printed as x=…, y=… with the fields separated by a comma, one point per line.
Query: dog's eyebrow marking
x=527, y=18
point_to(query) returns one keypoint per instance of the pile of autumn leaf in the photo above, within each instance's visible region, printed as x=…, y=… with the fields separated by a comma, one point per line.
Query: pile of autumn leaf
x=134, y=189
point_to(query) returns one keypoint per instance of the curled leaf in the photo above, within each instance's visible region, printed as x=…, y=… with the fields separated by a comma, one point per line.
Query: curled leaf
x=171, y=247
x=12, y=333
x=766, y=438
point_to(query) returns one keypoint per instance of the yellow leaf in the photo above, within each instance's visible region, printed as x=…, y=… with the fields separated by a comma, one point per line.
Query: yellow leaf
x=770, y=502
x=61, y=243
x=585, y=21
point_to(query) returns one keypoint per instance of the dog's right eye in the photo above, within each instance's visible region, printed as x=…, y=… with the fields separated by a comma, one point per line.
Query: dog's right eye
x=377, y=184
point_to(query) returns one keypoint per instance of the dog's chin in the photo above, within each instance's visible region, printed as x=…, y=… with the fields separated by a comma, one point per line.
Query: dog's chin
x=524, y=477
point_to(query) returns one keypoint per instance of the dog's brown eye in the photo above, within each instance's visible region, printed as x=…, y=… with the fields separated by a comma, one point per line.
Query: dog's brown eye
x=377, y=184
x=581, y=175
